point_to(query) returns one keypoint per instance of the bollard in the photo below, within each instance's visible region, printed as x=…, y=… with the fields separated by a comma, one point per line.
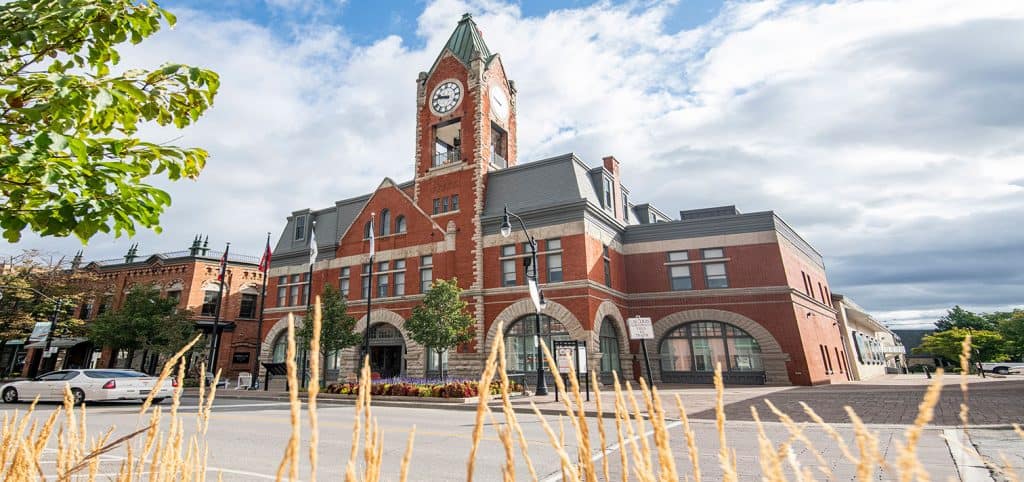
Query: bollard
x=926, y=372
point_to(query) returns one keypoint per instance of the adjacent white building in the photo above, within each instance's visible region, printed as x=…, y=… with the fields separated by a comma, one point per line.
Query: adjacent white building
x=872, y=349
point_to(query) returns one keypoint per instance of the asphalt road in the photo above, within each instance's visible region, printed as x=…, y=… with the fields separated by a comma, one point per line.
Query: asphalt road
x=247, y=438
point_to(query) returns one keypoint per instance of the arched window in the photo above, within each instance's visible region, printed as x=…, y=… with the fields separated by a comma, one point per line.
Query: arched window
x=366, y=230
x=280, y=348
x=520, y=347
x=385, y=222
x=609, y=347
x=699, y=346
x=400, y=224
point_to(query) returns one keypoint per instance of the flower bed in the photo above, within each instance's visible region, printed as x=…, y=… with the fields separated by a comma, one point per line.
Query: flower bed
x=419, y=387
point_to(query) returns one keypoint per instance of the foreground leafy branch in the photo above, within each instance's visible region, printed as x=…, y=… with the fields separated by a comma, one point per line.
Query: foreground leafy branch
x=70, y=160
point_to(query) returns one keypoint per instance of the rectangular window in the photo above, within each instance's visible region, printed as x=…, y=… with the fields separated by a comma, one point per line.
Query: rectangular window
x=714, y=275
x=437, y=205
x=282, y=296
x=678, y=256
x=426, y=273
x=400, y=277
x=681, y=280
x=247, y=309
x=554, y=260
x=86, y=310
x=444, y=204
x=435, y=363
x=828, y=296
x=508, y=266
x=343, y=284
x=607, y=267
x=455, y=202
x=296, y=278
x=300, y=228
x=293, y=296
x=209, y=303
x=821, y=291
x=625, y=205
x=712, y=253
x=382, y=279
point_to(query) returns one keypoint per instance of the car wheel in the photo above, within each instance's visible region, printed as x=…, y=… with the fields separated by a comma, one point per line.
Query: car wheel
x=10, y=395
x=1001, y=370
x=158, y=400
x=78, y=396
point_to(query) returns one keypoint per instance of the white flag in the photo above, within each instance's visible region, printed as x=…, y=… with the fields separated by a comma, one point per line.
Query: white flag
x=372, y=222
x=312, y=246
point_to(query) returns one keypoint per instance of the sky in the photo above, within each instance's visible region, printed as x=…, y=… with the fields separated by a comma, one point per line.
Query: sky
x=888, y=133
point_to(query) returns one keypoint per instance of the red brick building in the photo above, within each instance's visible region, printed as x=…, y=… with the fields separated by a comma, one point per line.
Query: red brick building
x=190, y=276
x=744, y=290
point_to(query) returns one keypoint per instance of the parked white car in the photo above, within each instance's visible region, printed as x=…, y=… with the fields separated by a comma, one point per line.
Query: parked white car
x=1003, y=368
x=88, y=385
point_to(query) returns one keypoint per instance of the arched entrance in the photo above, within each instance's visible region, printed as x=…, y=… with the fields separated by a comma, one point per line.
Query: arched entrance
x=690, y=351
x=521, y=344
x=387, y=347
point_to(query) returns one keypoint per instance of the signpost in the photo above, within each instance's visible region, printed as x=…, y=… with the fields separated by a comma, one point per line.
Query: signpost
x=572, y=354
x=640, y=328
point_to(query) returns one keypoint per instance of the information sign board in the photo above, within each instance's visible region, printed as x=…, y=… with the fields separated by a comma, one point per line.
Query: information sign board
x=640, y=328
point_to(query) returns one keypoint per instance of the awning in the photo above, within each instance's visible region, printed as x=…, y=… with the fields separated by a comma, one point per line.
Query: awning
x=58, y=342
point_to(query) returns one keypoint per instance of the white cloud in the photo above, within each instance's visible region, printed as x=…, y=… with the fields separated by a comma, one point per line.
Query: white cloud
x=874, y=127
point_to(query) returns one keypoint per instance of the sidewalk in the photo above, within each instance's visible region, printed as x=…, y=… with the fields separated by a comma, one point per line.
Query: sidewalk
x=888, y=400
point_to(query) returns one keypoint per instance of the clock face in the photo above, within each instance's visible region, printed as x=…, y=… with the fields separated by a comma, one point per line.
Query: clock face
x=446, y=97
x=499, y=102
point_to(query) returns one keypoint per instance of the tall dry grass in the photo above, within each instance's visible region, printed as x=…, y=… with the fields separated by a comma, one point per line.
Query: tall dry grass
x=160, y=451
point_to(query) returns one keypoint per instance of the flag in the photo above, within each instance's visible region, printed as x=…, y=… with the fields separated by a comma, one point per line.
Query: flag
x=223, y=265
x=265, y=260
x=372, y=218
x=312, y=246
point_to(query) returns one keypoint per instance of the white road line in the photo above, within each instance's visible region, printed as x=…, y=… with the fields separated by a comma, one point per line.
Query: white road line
x=118, y=458
x=554, y=476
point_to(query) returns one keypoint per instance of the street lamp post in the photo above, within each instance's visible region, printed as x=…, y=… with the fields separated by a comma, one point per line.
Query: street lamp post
x=535, y=292
x=53, y=325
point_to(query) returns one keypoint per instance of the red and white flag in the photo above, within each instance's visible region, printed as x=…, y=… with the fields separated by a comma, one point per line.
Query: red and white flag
x=265, y=260
x=223, y=264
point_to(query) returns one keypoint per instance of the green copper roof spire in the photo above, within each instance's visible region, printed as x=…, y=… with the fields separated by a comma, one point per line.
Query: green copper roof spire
x=466, y=40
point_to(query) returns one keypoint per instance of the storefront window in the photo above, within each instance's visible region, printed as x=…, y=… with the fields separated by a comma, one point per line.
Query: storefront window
x=699, y=346
x=520, y=341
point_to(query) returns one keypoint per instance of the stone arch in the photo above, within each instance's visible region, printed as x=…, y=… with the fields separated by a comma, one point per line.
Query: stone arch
x=267, y=345
x=525, y=307
x=610, y=310
x=772, y=356
x=414, y=352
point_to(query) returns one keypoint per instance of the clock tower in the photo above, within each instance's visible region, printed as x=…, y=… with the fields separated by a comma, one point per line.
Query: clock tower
x=465, y=129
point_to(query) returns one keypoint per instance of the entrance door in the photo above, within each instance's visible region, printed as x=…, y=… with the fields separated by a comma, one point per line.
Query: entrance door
x=386, y=360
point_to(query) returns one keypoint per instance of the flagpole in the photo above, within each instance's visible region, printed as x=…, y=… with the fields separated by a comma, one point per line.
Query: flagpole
x=214, y=345
x=369, y=297
x=313, y=251
x=259, y=323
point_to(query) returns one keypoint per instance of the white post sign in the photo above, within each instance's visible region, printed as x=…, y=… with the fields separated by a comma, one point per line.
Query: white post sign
x=640, y=328
x=582, y=357
x=564, y=355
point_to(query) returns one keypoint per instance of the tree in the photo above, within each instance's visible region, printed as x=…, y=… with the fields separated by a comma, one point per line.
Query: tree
x=337, y=327
x=31, y=285
x=958, y=317
x=145, y=322
x=441, y=322
x=1011, y=326
x=70, y=160
x=986, y=345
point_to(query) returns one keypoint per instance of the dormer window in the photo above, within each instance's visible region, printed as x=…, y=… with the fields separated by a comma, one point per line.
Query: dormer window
x=300, y=228
x=608, y=194
x=447, y=143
